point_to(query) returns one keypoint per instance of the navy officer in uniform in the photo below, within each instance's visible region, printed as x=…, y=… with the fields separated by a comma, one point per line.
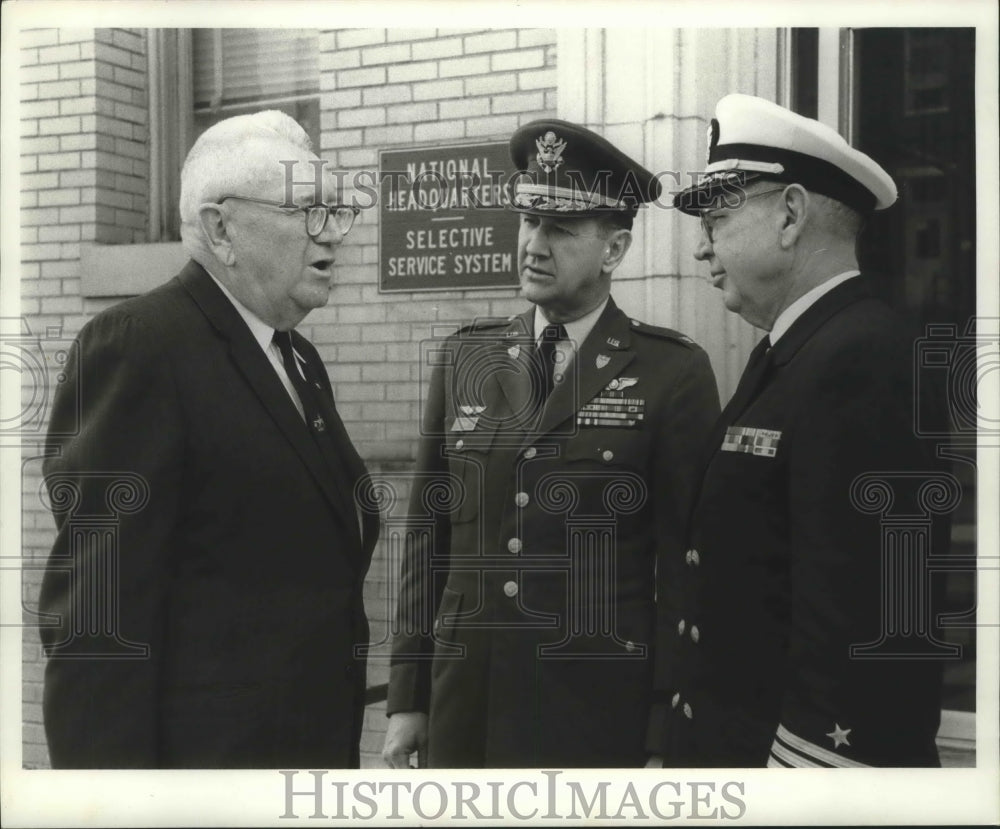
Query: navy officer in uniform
x=554, y=477
x=790, y=646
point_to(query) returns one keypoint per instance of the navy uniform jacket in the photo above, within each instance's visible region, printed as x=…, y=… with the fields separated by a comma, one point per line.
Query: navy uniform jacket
x=784, y=571
x=527, y=621
x=239, y=558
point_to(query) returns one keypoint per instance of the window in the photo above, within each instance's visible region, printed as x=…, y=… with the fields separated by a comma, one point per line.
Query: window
x=201, y=76
x=238, y=71
x=906, y=97
x=805, y=62
x=915, y=112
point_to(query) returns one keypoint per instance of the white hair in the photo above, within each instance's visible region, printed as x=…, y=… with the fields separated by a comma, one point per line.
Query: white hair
x=838, y=219
x=227, y=158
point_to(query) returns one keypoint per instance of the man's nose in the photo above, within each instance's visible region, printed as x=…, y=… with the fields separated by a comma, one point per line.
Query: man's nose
x=330, y=234
x=704, y=247
x=537, y=243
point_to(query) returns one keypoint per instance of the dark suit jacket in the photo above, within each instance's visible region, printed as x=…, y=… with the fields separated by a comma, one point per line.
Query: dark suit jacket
x=204, y=590
x=788, y=567
x=527, y=614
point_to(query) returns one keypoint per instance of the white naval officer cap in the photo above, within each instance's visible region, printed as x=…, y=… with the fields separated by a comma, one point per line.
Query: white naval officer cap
x=752, y=138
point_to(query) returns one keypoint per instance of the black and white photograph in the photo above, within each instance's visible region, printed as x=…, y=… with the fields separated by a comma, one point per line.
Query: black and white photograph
x=503, y=413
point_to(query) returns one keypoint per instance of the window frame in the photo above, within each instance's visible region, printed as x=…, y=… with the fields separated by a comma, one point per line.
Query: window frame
x=836, y=98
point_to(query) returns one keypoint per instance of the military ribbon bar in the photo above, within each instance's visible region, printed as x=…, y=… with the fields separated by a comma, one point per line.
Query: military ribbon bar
x=761, y=442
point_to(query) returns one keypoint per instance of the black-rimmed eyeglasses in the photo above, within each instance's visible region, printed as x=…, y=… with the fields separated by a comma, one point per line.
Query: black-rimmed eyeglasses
x=317, y=215
x=708, y=219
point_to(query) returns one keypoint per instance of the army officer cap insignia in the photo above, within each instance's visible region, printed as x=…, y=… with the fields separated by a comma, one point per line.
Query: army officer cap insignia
x=564, y=169
x=751, y=138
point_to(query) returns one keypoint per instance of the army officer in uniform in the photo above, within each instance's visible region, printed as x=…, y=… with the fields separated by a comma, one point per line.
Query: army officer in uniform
x=553, y=482
x=795, y=644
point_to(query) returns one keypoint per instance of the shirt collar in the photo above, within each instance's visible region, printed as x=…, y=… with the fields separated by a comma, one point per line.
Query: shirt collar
x=262, y=332
x=798, y=308
x=576, y=330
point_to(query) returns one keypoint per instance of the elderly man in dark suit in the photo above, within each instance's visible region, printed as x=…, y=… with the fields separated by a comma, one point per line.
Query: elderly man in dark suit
x=567, y=437
x=787, y=647
x=215, y=624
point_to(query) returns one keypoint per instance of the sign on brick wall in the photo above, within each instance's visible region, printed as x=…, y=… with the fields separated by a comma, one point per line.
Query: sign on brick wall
x=442, y=224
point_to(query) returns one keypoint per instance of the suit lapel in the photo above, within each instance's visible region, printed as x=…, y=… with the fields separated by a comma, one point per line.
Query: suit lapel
x=814, y=317
x=817, y=315
x=755, y=376
x=251, y=361
x=344, y=463
x=597, y=363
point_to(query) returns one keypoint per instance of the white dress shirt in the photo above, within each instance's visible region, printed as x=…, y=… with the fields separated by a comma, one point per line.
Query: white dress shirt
x=802, y=304
x=264, y=335
x=576, y=332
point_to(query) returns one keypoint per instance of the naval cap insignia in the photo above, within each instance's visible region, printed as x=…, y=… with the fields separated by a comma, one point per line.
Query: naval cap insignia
x=550, y=150
x=713, y=139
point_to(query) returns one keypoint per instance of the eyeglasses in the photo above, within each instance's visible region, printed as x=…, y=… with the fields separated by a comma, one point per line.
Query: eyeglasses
x=317, y=215
x=707, y=218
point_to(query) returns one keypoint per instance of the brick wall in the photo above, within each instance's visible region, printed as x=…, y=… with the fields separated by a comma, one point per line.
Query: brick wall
x=394, y=88
x=85, y=179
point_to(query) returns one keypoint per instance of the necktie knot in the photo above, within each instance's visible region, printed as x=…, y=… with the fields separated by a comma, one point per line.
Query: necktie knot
x=764, y=345
x=283, y=340
x=554, y=333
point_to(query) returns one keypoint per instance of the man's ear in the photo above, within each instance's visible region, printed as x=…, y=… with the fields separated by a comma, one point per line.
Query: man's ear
x=214, y=223
x=615, y=248
x=796, y=204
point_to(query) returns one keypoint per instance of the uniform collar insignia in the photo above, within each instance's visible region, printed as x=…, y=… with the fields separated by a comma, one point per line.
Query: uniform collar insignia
x=602, y=360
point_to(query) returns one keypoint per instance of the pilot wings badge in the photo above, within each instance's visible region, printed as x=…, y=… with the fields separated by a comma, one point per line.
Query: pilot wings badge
x=550, y=151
